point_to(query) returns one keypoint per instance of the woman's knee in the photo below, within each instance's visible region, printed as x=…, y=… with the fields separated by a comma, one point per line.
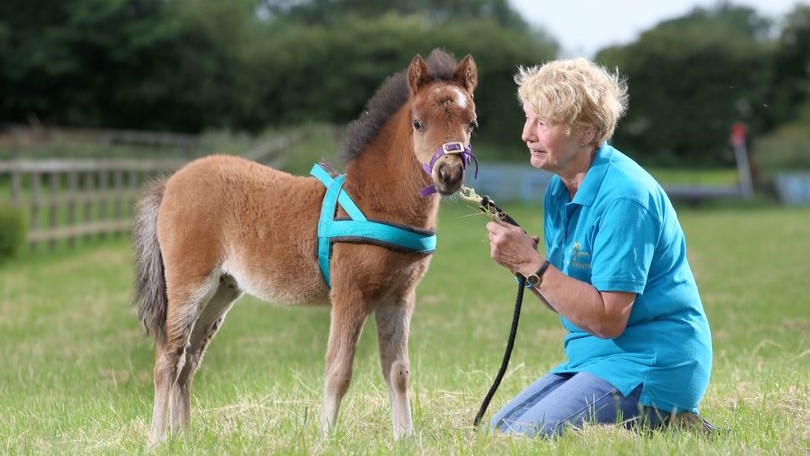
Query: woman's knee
x=530, y=428
x=581, y=399
x=526, y=400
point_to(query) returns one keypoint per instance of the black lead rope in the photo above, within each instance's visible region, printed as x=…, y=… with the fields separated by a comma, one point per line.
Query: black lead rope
x=508, y=354
x=488, y=206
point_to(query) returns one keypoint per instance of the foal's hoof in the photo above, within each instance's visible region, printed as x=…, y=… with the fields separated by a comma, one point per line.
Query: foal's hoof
x=326, y=432
x=400, y=434
x=153, y=442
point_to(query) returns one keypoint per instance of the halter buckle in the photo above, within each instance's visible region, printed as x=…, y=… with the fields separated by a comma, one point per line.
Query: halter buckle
x=452, y=148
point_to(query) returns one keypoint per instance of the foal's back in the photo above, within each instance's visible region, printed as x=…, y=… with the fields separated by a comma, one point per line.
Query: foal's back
x=227, y=216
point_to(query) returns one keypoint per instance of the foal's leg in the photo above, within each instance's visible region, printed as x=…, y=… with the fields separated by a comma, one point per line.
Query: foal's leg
x=347, y=320
x=204, y=331
x=393, y=322
x=182, y=313
x=163, y=380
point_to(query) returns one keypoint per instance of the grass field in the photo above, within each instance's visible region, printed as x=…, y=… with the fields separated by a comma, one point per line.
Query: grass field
x=76, y=369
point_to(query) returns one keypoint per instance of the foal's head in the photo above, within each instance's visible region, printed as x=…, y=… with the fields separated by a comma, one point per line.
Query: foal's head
x=443, y=117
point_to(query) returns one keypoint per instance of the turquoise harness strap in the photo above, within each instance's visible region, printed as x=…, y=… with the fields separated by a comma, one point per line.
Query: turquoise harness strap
x=357, y=228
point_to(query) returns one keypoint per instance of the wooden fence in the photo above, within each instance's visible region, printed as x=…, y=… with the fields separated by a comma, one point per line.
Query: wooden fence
x=71, y=199
x=23, y=140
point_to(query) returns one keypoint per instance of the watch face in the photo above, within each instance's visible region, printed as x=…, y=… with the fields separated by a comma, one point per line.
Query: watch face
x=533, y=279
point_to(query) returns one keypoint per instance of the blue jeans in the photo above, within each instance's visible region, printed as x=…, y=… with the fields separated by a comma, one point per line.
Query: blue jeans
x=557, y=401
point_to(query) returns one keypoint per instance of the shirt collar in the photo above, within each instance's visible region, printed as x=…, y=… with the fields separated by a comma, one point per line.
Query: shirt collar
x=586, y=194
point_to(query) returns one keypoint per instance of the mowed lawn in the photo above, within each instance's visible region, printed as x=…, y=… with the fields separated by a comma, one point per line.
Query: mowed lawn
x=76, y=370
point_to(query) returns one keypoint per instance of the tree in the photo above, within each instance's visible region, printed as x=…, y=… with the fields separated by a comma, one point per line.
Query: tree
x=120, y=63
x=60, y=63
x=327, y=72
x=690, y=79
x=438, y=11
x=791, y=84
x=188, y=65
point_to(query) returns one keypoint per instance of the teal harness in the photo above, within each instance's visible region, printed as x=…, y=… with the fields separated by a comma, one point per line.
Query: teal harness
x=357, y=228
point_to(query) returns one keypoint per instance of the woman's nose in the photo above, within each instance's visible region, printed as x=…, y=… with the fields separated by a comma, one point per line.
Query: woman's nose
x=526, y=135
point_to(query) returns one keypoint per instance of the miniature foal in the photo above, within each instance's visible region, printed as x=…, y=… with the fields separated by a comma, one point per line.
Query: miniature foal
x=223, y=226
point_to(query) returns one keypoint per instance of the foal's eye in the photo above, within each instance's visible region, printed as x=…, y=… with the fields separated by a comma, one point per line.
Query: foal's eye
x=473, y=125
x=417, y=125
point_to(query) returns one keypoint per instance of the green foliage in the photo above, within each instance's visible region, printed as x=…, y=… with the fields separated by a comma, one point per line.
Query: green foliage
x=790, y=89
x=690, y=79
x=67, y=62
x=317, y=143
x=331, y=70
x=12, y=231
x=438, y=11
x=246, y=65
x=787, y=148
x=194, y=65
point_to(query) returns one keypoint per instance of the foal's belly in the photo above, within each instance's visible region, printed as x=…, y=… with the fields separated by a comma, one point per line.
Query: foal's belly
x=287, y=278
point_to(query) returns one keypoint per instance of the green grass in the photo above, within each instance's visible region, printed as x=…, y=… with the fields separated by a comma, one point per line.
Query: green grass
x=76, y=369
x=669, y=176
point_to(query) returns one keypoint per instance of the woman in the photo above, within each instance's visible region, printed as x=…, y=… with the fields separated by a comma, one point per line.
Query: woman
x=638, y=346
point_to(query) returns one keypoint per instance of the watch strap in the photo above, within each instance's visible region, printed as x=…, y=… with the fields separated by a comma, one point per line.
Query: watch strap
x=537, y=276
x=542, y=269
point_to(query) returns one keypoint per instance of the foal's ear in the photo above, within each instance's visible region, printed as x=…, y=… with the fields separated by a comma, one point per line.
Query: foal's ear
x=467, y=74
x=418, y=73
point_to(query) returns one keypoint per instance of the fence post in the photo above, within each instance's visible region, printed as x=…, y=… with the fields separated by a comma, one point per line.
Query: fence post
x=16, y=186
x=72, y=191
x=103, y=185
x=53, y=207
x=89, y=178
x=118, y=195
x=35, y=202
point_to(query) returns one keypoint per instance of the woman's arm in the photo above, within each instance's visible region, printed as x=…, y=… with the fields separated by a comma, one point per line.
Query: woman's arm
x=603, y=314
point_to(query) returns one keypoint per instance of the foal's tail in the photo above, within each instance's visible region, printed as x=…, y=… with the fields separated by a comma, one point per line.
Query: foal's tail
x=150, y=283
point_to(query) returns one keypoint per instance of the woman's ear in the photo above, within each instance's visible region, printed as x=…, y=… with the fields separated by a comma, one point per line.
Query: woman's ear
x=587, y=135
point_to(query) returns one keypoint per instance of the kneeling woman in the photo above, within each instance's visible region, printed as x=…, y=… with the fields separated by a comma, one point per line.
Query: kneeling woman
x=638, y=346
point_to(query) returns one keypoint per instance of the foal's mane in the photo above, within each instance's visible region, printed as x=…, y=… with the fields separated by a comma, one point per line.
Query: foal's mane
x=390, y=96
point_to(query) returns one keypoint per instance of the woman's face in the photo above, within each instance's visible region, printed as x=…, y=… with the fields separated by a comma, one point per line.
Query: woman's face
x=551, y=148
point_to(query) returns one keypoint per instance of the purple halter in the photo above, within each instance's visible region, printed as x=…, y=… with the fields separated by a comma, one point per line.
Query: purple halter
x=449, y=148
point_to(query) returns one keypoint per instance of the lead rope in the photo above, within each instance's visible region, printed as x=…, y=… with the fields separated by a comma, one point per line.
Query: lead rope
x=507, y=354
x=488, y=207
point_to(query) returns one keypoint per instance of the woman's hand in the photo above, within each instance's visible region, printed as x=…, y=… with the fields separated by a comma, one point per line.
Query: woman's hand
x=513, y=249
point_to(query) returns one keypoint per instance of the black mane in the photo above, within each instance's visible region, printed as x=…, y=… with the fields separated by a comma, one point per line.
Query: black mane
x=392, y=94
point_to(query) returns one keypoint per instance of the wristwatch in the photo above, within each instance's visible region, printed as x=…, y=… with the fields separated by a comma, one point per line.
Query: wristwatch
x=537, y=278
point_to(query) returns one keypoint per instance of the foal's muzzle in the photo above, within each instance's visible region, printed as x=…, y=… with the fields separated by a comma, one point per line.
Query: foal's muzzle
x=447, y=176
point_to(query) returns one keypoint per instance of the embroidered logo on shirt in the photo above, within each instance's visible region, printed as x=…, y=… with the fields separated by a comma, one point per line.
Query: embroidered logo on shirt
x=579, y=259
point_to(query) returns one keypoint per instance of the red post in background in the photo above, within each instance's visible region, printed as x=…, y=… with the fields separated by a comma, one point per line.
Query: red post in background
x=737, y=140
x=738, y=132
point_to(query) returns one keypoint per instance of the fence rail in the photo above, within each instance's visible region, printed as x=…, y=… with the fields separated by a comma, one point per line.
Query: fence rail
x=24, y=139
x=71, y=199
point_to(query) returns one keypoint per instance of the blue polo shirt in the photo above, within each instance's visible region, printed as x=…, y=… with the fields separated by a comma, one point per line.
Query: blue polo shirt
x=620, y=233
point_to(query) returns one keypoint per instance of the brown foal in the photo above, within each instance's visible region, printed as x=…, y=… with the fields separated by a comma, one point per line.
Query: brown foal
x=223, y=226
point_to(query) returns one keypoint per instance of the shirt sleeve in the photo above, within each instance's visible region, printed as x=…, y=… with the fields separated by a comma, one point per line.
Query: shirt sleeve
x=623, y=247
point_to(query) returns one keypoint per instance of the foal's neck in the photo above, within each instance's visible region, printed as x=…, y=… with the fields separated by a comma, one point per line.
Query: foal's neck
x=385, y=179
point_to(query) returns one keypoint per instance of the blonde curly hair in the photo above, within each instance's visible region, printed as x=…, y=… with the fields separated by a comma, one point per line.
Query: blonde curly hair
x=576, y=93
